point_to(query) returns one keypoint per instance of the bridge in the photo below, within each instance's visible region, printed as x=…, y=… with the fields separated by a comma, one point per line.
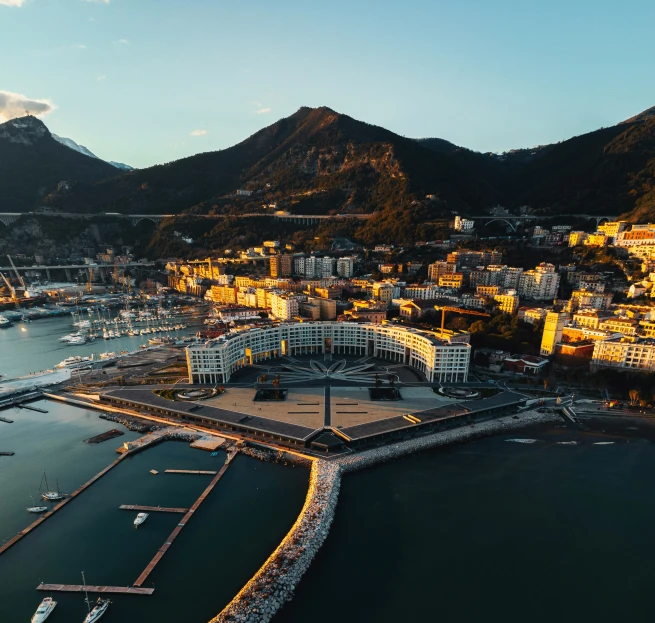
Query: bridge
x=104, y=270
x=514, y=221
x=8, y=218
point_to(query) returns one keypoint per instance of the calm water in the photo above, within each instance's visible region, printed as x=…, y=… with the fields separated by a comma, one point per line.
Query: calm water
x=232, y=533
x=33, y=346
x=491, y=531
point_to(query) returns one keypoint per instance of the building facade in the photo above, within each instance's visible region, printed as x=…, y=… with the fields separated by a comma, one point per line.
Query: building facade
x=216, y=360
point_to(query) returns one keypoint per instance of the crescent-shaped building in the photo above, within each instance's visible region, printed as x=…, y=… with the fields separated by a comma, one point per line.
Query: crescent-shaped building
x=439, y=359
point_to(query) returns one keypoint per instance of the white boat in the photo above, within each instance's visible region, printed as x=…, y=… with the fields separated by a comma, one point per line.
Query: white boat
x=98, y=610
x=75, y=362
x=51, y=496
x=107, y=355
x=5, y=322
x=140, y=518
x=44, y=610
x=77, y=340
x=36, y=509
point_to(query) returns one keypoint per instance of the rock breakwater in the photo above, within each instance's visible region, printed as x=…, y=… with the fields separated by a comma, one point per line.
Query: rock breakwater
x=276, y=581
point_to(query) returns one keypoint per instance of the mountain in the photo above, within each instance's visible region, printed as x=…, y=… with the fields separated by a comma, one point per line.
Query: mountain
x=69, y=142
x=318, y=161
x=34, y=163
x=315, y=161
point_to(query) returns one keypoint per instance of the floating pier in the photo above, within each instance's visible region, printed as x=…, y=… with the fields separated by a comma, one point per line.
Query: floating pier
x=79, y=588
x=37, y=409
x=4, y=419
x=191, y=471
x=173, y=535
x=7, y=453
x=152, y=509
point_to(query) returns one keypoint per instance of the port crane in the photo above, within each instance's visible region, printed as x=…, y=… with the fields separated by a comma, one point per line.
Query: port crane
x=458, y=310
x=18, y=276
x=12, y=290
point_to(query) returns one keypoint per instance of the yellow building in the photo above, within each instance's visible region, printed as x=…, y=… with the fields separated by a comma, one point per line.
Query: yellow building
x=552, y=332
x=451, y=281
x=595, y=240
x=507, y=303
x=577, y=238
x=487, y=290
x=612, y=228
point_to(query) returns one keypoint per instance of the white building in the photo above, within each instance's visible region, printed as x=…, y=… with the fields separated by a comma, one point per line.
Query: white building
x=216, y=360
x=327, y=266
x=464, y=224
x=626, y=354
x=284, y=307
x=539, y=284
x=345, y=266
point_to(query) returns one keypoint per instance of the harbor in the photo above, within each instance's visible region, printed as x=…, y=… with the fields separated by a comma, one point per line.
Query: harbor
x=94, y=528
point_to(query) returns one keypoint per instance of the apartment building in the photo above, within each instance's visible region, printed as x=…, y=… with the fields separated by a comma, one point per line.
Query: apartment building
x=552, y=334
x=284, y=307
x=585, y=299
x=539, y=284
x=577, y=238
x=281, y=266
x=455, y=281
x=626, y=353
x=507, y=301
x=345, y=266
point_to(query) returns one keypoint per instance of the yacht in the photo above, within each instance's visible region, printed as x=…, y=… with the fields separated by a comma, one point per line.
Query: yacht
x=75, y=363
x=140, y=518
x=98, y=610
x=77, y=340
x=44, y=610
x=5, y=322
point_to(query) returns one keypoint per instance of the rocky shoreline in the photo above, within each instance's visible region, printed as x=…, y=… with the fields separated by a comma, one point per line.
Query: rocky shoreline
x=131, y=423
x=276, y=581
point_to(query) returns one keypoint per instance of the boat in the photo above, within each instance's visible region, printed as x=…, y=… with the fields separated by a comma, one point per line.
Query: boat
x=154, y=472
x=140, y=518
x=51, y=496
x=107, y=355
x=44, y=610
x=98, y=610
x=5, y=322
x=36, y=509
x=75, y=363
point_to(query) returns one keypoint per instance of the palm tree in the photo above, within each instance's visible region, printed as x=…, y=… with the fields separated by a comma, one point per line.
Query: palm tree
x=634, y=397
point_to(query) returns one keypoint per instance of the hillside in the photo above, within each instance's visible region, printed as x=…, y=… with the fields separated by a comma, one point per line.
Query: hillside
x=313, y=161
x=33, y=164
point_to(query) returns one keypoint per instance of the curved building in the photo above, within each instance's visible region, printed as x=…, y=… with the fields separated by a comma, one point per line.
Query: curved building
x=439, y=359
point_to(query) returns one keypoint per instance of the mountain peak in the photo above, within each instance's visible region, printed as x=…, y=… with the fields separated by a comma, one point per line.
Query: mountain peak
x=25, y=130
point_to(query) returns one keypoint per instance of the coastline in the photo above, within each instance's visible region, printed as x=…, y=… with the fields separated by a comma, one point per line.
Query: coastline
x=276, y=580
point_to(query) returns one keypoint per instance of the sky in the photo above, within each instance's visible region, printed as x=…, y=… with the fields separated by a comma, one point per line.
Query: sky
x=150, y=81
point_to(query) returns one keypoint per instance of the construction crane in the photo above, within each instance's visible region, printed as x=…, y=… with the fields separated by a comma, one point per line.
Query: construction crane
x=20, y=279
x=89, y=283
x=458, y=310
x=12, y=291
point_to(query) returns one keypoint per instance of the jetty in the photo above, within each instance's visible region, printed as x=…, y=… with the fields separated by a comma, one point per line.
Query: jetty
x=80, y=588
x=37, y=409
x=152, y=509
x=190, y=471
x=7, y=453
x=4, y=419
x=173, y=535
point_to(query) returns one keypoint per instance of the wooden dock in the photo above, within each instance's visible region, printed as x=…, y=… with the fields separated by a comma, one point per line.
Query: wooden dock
x=173, y=535
x=191, y=471
x=59, y=506
x=152, y=509
x=79, y=588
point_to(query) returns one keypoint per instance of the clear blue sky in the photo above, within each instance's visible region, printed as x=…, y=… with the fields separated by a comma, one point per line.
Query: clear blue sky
x=132, y=79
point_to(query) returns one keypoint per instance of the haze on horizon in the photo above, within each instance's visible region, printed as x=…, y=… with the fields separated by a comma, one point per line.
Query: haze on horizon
x=154, y=81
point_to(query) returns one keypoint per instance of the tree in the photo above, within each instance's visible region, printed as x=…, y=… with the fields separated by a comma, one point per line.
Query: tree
x=479, y=326
x=263, y=379
x=634, y=397
x=276, y=381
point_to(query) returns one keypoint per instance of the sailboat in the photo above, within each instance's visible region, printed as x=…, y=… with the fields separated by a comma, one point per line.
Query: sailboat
x=51, y=496
x=36, y=509
x=98, y=610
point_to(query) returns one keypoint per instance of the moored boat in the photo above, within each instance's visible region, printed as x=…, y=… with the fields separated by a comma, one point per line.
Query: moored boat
x=44, y=610
x=140, y=518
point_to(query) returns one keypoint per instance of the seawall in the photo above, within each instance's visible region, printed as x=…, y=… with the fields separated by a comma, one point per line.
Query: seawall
x=276, y=580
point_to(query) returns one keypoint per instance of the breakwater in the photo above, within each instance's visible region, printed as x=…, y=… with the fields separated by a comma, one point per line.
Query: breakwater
x=276, y=580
